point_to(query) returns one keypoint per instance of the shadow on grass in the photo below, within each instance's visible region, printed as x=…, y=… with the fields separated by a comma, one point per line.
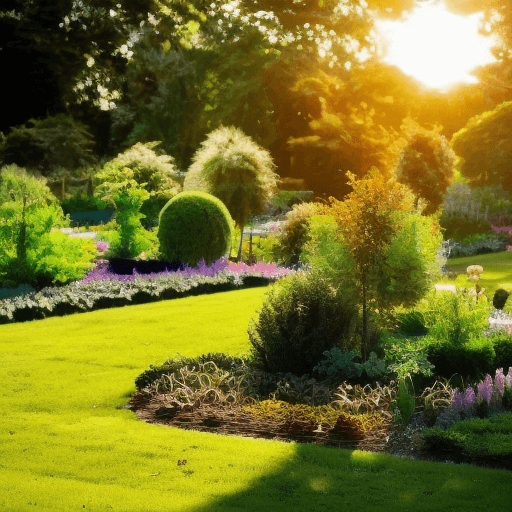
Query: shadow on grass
x=330, y=479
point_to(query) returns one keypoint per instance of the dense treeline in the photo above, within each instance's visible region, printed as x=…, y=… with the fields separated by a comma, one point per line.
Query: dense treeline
x=303, y=81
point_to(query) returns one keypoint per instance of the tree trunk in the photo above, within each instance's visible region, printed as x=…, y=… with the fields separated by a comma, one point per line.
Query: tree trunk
x=239, y=255
x=364, y=335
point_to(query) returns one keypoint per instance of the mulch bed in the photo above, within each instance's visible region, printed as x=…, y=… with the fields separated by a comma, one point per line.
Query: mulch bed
x=235, y=421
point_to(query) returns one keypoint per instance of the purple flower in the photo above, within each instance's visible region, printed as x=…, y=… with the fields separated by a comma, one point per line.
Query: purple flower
x=457, y=403
x=468, y=399
x=508, y=378
x=485, y=389
x=499, y=381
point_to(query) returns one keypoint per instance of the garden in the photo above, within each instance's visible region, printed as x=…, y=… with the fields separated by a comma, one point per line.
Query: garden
x=321, y=353
x=246, y=262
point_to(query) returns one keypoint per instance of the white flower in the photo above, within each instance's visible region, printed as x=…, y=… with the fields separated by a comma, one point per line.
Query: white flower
x=112, y=13
x=348, y=65
x=272, y=39
x=90, y=62
x=321, y=52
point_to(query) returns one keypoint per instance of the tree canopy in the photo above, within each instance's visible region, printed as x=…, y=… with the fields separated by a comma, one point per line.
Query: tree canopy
x=484, y=146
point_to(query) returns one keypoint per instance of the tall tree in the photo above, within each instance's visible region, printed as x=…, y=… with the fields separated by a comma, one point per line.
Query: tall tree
x=484, y=146
x=64, y=51
x=425, y=164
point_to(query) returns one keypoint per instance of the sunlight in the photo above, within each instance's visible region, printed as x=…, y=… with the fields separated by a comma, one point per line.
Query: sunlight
x=436, y=47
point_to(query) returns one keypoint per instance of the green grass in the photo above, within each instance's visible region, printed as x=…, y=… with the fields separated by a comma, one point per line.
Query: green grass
x=67, y=444
x=497, y=271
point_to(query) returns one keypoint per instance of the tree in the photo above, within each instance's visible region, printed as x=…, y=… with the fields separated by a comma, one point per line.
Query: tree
x=232, y=167
x=28, y=210
x=425, y=164
x=115, y=184
x=484, y=146
x=387, y=250
x=29, y=251
x=65, y=51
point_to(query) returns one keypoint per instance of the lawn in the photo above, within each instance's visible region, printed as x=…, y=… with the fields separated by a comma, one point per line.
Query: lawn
x=497, y=270
x=68, y=443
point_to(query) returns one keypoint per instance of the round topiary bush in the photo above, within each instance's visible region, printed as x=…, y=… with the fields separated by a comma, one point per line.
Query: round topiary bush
x=500, y=298
x=193, y=226
x=301, y=318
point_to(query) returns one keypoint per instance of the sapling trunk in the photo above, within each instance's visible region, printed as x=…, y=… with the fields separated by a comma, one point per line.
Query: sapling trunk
x=239, y=254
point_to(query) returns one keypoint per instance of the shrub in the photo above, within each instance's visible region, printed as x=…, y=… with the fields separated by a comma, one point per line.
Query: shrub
x=471, y=359
x=232, y=167
x=193, y=226
x=339, y=366
x=117, y=186
x=481, y=441
x=502, y=343
x=294, y=234
x=153, y=171
x=29, y=252
x=460, y=226
x=500, y=298
x=80, y=202
x=454, y=319
x=301, y=318
x=54, y=142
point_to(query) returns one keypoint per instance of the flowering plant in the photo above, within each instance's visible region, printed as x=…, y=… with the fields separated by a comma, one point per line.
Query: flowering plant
x=490, y=397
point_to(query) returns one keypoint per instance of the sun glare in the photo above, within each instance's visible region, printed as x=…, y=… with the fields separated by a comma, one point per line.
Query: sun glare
x=435, y=46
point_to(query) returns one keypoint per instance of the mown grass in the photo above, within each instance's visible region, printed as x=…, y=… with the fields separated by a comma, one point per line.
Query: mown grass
x=497, y=270
x=68, y=444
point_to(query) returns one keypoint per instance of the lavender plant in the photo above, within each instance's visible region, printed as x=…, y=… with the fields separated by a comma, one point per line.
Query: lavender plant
x=491, y=397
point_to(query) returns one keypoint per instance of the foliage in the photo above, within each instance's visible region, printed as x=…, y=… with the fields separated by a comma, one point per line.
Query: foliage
x=294, y=234
x=222, y=362
x=80, y=202
x=454, y=319
x=405, y=403
x=359, y=399
x=54, y=142
x=436, y=398
x=481, y=441
x=28, y=212
x=90, y=295
x=204, y=383
x=116, y=184
x=459, y=227
x=482, y=246
x=407, y=358
x=193, y=226
x=499, y=298
x=390, y=247
x=340, y=366
x=502, y=343
x=470, y=359
x=425, y=164
x=72, y=51
x=152, y=170
x=301, y=318
x=233, y=168
x=484, y=146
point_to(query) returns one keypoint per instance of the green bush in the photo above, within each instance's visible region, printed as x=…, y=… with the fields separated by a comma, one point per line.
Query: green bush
x=454, y=319
x=500, y=298
x=502, y=343
x=301, y=318
x=80, y=202
x=459, y=227
x=29, y=251
x=193, y=226
x=54, y=142
x=482, y=441
x=471, y=360
x=294, y=234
